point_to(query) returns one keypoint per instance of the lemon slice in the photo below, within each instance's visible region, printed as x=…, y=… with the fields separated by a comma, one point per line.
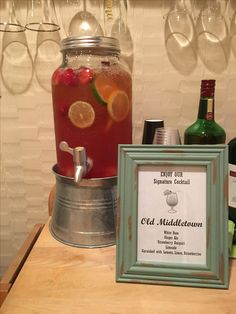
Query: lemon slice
x=118, y=105
x=81, y=114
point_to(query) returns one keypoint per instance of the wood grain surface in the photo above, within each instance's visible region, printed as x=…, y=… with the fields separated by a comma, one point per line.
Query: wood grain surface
x=57, y=278
x=14, y=268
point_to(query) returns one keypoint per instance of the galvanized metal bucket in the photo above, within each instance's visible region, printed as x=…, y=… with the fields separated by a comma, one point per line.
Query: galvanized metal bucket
x=84, y=213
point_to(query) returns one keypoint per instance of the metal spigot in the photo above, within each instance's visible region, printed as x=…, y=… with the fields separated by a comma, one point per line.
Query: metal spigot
x=81, y=164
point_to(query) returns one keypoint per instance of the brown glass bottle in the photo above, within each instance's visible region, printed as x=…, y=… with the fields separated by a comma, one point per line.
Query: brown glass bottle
x=205, y=130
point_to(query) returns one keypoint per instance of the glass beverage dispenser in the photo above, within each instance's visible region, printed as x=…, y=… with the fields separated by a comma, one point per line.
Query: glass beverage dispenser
x=91, y=94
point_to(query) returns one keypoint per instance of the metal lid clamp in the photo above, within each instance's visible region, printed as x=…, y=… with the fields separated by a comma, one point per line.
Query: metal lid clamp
x=82, y=164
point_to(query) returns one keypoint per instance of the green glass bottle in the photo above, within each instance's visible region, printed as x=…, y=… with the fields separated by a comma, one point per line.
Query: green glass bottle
x=205, y=130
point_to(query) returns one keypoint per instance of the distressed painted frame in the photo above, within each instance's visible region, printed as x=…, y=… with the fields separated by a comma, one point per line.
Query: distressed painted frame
x=214, y=273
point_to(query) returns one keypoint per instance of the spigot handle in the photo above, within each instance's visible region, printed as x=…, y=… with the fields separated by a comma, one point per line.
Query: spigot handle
x=81, y=164
x=65, y=147
x=78, y=153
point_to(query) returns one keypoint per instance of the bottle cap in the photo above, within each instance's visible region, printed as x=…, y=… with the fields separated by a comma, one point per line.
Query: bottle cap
x=207, y=88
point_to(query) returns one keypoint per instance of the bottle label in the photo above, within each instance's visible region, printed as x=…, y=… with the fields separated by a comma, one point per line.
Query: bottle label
x=232, y=185
x=209, y=113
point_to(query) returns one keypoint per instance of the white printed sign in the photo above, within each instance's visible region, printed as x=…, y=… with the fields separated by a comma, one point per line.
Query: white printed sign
x=172, y=214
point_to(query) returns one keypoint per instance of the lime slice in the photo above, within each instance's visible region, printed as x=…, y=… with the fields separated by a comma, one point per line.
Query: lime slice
x=103, y=87
x=81, y=114
x=118, y=105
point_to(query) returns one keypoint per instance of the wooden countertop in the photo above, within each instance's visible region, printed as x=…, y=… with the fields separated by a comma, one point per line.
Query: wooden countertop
x=57, y=278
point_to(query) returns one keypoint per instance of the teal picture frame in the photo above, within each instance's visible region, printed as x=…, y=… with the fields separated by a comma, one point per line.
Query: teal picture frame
x=172, y=215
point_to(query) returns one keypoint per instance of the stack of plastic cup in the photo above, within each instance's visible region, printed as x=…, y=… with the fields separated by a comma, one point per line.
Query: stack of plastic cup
x=150, y=126
x=166, y=136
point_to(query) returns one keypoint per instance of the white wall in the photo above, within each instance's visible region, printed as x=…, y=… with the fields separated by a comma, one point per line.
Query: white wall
x=163, y=87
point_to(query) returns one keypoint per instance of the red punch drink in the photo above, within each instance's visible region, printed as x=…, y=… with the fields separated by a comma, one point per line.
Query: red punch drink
x=92, y=104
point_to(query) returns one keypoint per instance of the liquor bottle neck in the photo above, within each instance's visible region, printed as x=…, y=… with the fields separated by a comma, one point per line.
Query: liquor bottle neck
x=206, y=109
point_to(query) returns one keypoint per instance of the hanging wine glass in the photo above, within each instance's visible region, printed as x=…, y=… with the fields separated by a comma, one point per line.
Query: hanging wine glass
x=180, y=38
x=233, y=33
x=112, y=13
x=16, y=63
x=216, y=5
x=84, y=23
x=67, y=9
x=9, y=22
x=120, y=29
x=47, y=57
x=179, y=21
x=213, y=35
x=41, y=16
x=231, y=7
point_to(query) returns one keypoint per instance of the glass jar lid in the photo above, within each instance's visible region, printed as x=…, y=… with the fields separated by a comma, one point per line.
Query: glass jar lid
x=101, y=44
